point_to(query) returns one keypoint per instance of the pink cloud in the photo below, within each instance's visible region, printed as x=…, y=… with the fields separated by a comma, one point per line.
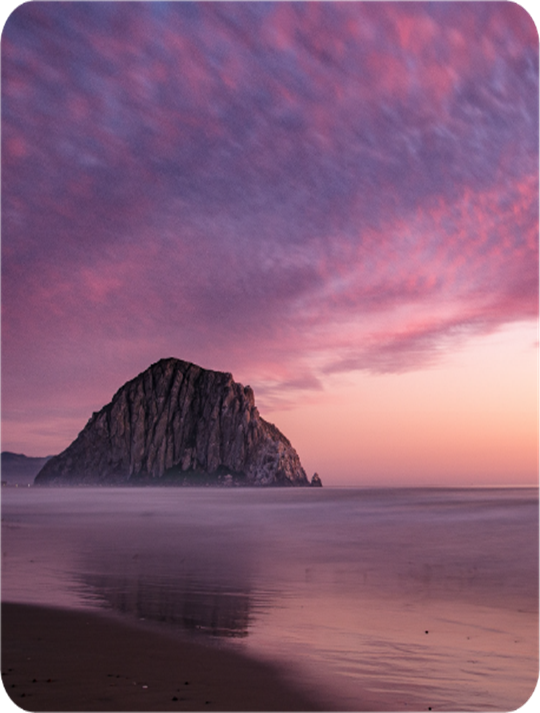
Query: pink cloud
x=274, y=189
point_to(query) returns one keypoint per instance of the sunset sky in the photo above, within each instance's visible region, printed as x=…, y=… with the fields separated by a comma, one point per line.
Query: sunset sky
x=336, y=202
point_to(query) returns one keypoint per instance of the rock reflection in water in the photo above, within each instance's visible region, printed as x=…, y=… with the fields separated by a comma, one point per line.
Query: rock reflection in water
x=188, y=575
x=196, y=605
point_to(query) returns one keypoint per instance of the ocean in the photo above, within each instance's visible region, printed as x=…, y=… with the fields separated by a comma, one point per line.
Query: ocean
x=374, y=599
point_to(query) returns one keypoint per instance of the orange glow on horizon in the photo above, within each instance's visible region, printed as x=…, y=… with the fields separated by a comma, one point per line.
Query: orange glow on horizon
x=471, y=421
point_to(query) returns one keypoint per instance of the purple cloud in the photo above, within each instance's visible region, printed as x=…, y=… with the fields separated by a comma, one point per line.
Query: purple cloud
x=279, y=189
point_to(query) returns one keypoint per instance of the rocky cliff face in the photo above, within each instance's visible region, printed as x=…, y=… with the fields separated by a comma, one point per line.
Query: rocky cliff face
x=177, y=423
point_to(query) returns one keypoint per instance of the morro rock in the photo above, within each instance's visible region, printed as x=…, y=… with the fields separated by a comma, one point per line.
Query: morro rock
x=177, y=424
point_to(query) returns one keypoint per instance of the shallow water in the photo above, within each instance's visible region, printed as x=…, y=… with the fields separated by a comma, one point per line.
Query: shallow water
x=378, y=599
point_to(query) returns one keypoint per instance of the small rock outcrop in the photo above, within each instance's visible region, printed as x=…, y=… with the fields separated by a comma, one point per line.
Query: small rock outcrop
x=316, y=481
x=178, y=424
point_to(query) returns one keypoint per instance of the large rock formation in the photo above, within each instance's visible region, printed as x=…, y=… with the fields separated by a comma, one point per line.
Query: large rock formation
x=177, y=423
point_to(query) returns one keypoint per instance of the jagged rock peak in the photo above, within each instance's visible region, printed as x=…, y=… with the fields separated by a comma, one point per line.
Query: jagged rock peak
x=177, y=423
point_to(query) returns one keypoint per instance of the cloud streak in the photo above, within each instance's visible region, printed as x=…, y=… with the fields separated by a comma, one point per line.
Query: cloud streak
x=283, y=189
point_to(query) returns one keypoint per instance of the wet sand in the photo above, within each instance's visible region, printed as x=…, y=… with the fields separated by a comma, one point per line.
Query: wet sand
x=72, y=660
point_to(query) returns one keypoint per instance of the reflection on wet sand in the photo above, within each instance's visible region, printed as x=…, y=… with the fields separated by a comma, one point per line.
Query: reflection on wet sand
x=177, y=576
x=192, y=604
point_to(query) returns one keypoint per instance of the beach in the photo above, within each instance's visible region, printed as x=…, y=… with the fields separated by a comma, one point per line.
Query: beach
x=293, y=599
x=61, y=660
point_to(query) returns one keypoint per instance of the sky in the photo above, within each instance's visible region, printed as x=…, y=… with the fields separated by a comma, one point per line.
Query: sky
x=335, y=202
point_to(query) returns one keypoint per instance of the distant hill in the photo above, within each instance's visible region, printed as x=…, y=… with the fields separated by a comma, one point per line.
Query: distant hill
x=18, y=469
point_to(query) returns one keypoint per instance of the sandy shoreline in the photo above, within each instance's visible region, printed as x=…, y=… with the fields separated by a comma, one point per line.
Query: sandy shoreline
x=70, y=660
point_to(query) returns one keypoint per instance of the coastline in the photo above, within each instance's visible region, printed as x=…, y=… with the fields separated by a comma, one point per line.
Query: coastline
x=342, y=616
x=76, y=660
